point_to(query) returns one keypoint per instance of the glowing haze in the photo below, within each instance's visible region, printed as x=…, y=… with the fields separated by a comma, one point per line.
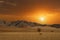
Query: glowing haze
x=40, y=11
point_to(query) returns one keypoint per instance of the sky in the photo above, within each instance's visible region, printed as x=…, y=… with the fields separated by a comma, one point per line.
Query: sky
x=31, y=10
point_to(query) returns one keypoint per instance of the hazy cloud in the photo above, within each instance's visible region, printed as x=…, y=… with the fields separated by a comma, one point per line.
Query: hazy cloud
x=24, y=6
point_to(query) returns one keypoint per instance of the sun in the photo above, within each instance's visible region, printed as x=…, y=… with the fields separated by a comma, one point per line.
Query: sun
x=42, y=19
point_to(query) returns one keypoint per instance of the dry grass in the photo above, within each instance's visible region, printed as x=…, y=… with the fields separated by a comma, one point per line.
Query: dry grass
x=13, y=33
x=29, y=36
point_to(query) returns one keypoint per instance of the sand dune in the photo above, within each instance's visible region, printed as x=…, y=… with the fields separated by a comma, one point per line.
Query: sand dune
x=28, y=29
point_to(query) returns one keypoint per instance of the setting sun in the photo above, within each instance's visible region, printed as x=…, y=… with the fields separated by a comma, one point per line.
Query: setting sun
x=42, y=19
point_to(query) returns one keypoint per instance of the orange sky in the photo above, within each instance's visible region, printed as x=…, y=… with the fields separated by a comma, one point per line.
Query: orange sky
x=31, y=10
x=49, y=17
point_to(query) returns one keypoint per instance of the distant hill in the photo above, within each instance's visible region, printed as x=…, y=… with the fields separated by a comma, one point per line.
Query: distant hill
x=19, y=23
x=22, y=23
